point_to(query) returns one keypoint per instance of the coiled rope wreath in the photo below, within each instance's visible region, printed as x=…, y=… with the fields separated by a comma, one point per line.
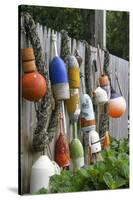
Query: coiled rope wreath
x=47, y=120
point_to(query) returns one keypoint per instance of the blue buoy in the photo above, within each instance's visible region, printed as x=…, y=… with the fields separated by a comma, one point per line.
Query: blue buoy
x=58, y=72
x=59, y=79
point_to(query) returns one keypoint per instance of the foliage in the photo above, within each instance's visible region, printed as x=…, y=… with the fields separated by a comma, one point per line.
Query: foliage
x=112, y=173
x=80, y=25
x=118, y=33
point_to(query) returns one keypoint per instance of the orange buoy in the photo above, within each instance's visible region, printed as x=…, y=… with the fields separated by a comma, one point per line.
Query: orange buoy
x=103, y=80
x=106, y=140
x=116, y=105
x=33, y=86
x=62, y=156
x=27, y=54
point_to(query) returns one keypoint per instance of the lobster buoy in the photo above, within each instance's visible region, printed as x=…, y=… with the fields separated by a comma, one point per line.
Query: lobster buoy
x=100, y=96
x=28, y=60
x=76, y=150
x=73, y=72
x=58, y=76
x=62, y=156
x=116, y=105
x=106, y=140
x=41, y=172
x=94, y=147
x=33, y=86
x=87, y=114
x=73, y=105
x=105, y=84
x=27, y=54
x=94, y=141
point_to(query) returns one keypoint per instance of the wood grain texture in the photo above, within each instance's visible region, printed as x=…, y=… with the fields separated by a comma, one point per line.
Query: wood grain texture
x=118, y=127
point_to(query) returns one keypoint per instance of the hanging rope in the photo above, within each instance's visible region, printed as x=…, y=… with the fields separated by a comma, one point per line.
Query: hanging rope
x=118, y=83
x=99, y=59
x=88, y=69
x=104, y=117
x=106, y=63
x=65, y=47
x=44, y=131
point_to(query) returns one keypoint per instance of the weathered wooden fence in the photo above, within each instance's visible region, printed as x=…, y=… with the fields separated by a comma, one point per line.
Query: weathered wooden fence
x=118, y=127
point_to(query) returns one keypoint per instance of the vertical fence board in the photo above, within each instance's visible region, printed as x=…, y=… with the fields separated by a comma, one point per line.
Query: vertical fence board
x=118, y=127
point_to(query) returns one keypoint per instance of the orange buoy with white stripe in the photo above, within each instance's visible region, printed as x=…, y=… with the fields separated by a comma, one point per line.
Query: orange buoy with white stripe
x=116, y=105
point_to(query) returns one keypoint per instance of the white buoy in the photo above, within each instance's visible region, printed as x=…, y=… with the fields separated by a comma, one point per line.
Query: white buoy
x=41, y=171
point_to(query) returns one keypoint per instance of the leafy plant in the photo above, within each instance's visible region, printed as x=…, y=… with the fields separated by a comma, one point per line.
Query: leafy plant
x=112, y=173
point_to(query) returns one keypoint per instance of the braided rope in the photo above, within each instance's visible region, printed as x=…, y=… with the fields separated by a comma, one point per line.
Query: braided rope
x=65, y=48
x=104, y=117
x=87, y=69
x=44, y=132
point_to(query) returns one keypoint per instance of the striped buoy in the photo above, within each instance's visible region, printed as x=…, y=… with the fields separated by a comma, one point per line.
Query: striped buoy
x=73, y=105
x=73, y=72
x=33, y=83
x=116, y=105
x=87, y=113
x=58, y=76
x=76, y=150
x=94, y=147
x=28, y=60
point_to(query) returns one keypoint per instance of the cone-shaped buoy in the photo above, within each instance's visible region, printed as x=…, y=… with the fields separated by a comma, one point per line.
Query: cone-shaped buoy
x=62, y=156
x=76, y=150
x=116, y=105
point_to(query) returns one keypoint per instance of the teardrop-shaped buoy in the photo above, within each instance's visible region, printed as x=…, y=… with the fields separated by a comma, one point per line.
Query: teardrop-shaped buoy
x=76, y=150
x=77, y=153
x=59, y=79
x=100, y=96
x=62, y=156
x=116, y=105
